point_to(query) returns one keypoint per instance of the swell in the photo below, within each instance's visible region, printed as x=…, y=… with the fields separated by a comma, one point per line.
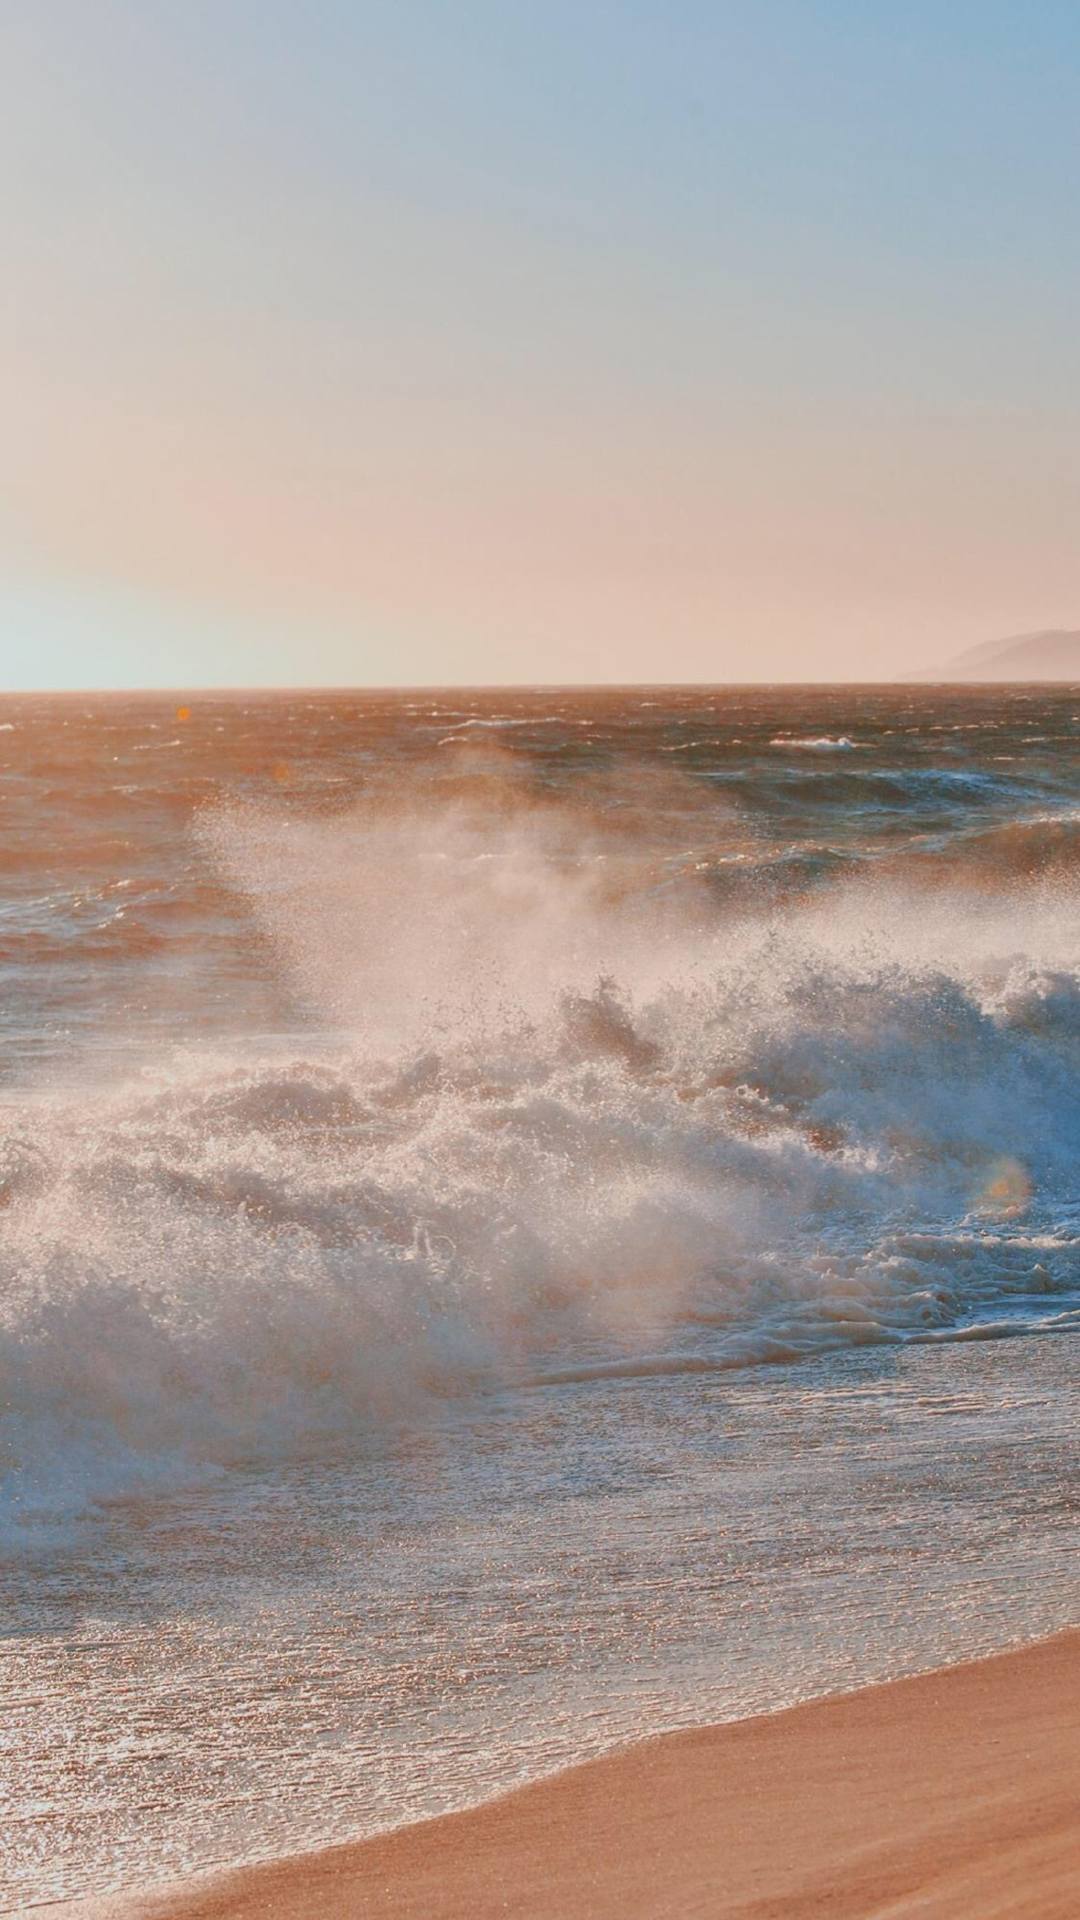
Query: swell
x=1043, y=848
x=567, y=1141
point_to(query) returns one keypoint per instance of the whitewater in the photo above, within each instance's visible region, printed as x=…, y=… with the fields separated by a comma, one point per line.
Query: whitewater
x=523, y=1218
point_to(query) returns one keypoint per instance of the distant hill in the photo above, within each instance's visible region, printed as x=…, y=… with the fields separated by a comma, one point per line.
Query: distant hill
x=1054, y=655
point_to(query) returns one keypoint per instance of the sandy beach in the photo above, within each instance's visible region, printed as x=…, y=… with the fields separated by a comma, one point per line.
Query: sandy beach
x=951, y=1796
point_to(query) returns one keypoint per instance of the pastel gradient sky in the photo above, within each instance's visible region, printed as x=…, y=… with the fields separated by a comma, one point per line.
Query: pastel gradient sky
x=391, y=341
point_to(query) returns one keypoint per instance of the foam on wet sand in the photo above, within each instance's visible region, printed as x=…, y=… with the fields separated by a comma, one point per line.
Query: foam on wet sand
x=950, y=1796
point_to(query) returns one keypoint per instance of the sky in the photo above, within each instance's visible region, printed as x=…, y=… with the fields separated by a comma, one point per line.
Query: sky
x=387, y=342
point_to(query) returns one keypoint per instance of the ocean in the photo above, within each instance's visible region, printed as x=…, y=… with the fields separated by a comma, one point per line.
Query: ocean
x=526, y=1219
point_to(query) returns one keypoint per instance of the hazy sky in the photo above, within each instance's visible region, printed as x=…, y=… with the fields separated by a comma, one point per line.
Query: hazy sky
x=478, y=340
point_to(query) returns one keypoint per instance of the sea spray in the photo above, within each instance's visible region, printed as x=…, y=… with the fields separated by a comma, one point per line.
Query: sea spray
x=563, y=1107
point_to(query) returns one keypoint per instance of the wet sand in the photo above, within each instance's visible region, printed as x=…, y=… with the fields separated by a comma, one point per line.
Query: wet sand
x=951, y=1796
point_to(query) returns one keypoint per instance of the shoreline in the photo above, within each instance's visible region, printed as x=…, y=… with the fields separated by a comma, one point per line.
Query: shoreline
x=949, y=1795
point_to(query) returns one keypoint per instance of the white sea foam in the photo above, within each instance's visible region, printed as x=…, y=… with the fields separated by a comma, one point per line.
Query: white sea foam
x=815, y=744
x=570, y=1122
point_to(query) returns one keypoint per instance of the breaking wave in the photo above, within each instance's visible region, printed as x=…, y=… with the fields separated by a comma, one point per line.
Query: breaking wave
x=554, y=1120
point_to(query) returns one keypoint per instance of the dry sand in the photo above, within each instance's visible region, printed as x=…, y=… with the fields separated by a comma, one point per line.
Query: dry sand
x=953, y=1796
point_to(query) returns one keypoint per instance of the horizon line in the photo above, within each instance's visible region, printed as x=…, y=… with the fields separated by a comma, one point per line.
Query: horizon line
x=907, y=681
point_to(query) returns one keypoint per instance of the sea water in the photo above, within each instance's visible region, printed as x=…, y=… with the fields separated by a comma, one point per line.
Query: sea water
x=525, y=1219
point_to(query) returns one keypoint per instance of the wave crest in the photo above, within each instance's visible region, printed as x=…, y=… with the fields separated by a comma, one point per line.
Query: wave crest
x=555, y=1120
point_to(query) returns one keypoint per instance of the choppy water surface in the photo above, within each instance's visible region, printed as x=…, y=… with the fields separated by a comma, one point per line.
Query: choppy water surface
x=526, y=1218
